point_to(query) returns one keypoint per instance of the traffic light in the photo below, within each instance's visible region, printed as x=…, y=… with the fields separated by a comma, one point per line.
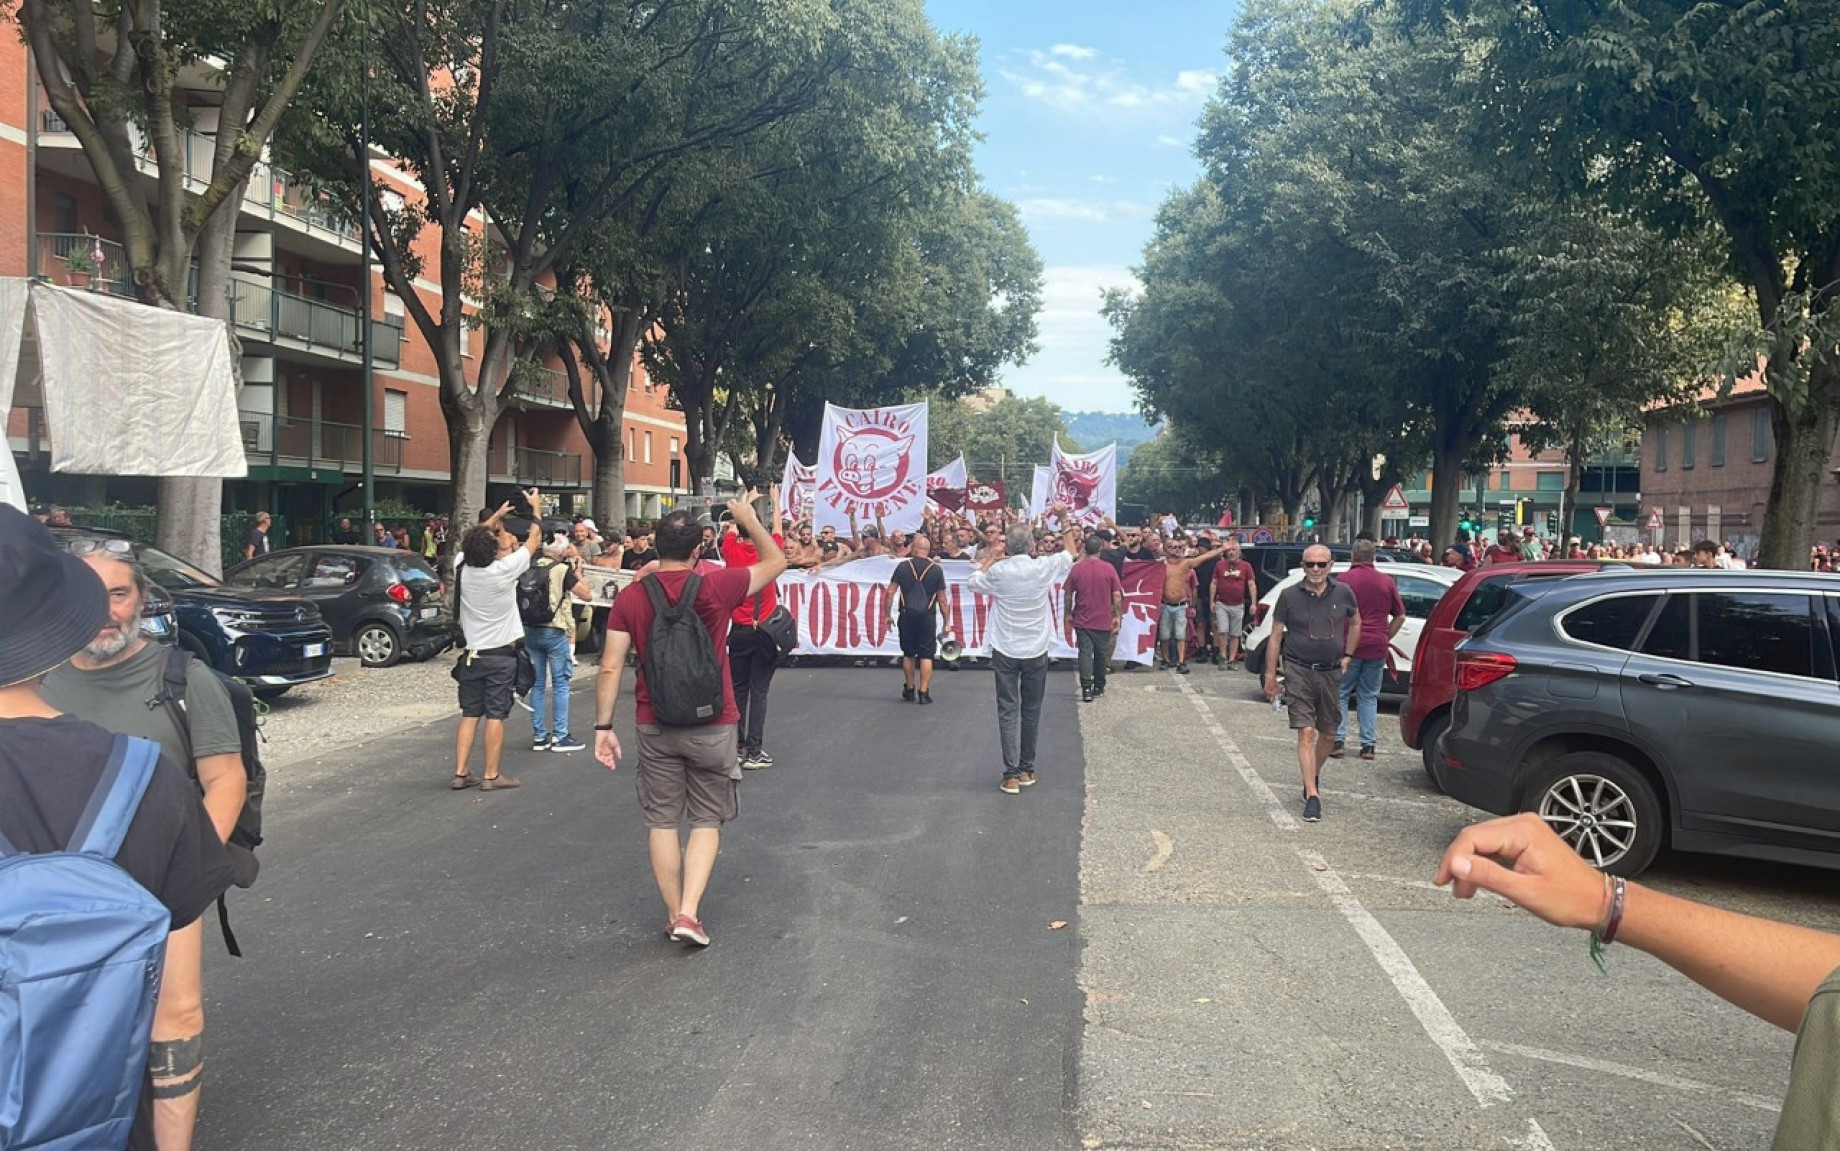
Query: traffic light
x=1467, y=524
x=1309, y=519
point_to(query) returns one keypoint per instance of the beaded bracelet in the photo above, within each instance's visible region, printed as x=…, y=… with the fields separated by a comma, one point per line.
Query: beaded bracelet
x=1616, y=890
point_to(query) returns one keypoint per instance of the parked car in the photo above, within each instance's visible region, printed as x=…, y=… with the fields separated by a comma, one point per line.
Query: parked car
x=1635, y=710
x=1273, y=563
x=1421, y=588
x=381, y=603
x=1470, y=603
x=159, y=621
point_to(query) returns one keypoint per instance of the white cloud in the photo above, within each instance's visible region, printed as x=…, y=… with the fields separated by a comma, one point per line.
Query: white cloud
x=1070, y=78
x=1074, y=52
x=1051, y=210
x=1171, y=142
x=1070, y=368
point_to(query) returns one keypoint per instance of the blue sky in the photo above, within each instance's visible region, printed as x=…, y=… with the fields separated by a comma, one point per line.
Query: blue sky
x=1088, y=117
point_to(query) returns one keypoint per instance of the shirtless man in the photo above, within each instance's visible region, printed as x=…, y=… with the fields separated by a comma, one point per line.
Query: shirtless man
x=1179, y=584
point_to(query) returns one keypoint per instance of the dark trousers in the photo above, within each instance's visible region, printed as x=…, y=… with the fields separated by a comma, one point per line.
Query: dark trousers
x=1095, y=655
x=1021, y=684
x=751, y=660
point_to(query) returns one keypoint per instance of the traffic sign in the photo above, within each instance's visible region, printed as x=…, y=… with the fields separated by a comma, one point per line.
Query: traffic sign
x=1654, y=520
x=1263, y=536
x=1604, y=514
x=1395, y=501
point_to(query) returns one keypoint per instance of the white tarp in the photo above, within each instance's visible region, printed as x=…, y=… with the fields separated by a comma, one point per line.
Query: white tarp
x=13, y=295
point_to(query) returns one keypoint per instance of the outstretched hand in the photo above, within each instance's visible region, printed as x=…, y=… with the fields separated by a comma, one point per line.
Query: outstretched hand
x=607, y=749
x=1523, y=860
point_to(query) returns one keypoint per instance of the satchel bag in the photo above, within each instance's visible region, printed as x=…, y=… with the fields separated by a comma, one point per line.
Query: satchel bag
x=780, y=628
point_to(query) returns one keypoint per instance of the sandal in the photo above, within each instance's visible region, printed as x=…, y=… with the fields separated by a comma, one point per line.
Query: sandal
x=462, y=782
x=500, y=782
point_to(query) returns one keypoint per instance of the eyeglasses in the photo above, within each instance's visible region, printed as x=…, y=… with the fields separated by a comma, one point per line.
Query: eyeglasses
x=84, y=547
x=1315, y=564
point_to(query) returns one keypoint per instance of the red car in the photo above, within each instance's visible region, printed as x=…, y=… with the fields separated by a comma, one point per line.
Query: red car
x=1469, y=603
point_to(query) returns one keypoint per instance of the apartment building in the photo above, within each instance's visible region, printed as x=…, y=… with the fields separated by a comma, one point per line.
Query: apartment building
x=1527, y=488
x=295, y=303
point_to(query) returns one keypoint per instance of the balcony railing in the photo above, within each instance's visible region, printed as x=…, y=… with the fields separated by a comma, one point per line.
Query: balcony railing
x=300, y=442
x=535, y=466
x=271, y=313
x=81, y=260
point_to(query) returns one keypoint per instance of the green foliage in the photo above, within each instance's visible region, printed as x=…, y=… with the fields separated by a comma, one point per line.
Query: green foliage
x=1002, y=442
x=1169, y=474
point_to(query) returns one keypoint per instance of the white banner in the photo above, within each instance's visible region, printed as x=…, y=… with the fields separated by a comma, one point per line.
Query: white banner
x=1039, y=492
x=1086, y=484
x=795, y=487
x=871, y=467
x=951, y=478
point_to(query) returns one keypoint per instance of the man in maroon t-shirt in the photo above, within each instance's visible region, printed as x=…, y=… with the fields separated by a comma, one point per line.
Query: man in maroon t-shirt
x=1502, y=551
x=1095, y=607
x=1383, y=613
x=1232, y=588
x=685, y=774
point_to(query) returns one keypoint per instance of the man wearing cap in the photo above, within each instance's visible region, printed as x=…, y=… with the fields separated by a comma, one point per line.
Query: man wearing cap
x=586, y=539
x=485, y=586
x=51, y=763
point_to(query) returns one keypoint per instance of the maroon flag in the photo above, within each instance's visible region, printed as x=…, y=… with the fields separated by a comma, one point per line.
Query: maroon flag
x=985, y=497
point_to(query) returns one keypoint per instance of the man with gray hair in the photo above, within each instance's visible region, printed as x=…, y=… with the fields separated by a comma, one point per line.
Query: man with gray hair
x=1021, y=587
x=1316, y=627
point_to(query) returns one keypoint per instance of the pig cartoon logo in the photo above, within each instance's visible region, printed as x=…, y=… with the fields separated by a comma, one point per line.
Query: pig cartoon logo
x=871, y=463
x=1075, y=484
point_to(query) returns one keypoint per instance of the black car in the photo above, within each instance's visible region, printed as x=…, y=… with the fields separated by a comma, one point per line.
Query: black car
x=381, y=603
x=269, y=641
x=1673, y=707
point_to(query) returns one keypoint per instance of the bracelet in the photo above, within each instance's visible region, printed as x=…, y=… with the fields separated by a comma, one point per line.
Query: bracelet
x=1616, y=890
x=603, y=727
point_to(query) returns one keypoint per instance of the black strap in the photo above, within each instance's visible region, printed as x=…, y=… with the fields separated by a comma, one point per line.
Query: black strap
x=223, y=923
x=174, y=675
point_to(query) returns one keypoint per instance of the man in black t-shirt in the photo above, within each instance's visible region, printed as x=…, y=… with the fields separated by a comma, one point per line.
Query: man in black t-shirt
x=917, y=591
x=50, y=765
x=640, y=553
x=257, y=542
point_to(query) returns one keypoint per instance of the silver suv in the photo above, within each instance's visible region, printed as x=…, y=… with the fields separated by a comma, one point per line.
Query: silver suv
x=1633, y=710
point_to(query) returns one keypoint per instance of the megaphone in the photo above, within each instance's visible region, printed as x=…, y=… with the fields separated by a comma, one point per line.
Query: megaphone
x=950, y=651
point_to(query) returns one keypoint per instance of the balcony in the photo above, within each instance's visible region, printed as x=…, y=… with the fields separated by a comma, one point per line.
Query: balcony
x=277, y=441
x=539, y=387
x=534, y=466
x=80, y=260
x=273, y=314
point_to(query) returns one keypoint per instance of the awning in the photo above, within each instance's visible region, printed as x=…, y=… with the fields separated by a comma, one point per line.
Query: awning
x=126, y=389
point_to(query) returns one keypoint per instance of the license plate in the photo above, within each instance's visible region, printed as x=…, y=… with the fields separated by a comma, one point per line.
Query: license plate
x=430, y=612
x=313, y=649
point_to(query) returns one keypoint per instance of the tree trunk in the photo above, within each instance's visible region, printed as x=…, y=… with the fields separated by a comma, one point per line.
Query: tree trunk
x=1804, y=450
x=1334, y=506
x=604, y=429
x=1446, y=493
x=469, y=445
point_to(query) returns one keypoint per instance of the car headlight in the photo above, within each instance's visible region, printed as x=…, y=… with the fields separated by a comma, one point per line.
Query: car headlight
x=233, y=617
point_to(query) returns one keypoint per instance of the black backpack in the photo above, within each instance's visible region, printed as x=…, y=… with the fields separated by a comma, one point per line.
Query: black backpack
x=534, y=605
x=682, y=675
x=246, y=836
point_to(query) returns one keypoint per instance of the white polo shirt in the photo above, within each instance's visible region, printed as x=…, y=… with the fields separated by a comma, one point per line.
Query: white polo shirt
x=488, y=601
x=1022, y=614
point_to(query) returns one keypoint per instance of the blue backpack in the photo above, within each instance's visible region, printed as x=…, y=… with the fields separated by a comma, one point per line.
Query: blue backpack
x=82, y=947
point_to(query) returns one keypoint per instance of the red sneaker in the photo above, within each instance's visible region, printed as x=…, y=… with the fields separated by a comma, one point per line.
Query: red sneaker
x=687, y=930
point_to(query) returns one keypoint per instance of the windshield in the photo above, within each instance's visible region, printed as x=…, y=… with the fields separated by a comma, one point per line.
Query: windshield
x=172, y=573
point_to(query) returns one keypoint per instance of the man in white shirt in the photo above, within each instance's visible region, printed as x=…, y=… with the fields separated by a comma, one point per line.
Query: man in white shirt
x=486, y=587
x=1022, y=623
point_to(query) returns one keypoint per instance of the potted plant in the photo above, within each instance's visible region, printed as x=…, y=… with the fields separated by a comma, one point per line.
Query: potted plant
x=81, y=264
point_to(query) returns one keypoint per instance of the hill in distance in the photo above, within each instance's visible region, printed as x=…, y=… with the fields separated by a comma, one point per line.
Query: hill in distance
x=1093, y=430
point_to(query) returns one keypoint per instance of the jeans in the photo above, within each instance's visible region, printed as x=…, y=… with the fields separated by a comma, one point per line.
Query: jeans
x=751, y=660
x=549, y=651
x=1021, y=683
x=1363, y=682
x=1095, y=653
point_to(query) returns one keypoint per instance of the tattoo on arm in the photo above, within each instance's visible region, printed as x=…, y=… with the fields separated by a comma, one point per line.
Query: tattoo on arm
x=176, y=1066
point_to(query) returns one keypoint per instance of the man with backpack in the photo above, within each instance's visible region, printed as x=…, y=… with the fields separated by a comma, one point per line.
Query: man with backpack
x=546, y=596
x=67, y=784
x=485, y=590
x=676, y=619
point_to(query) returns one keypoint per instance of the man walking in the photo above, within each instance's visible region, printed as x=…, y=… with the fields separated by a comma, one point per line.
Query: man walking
x=685, y=774
x=752, y=655
x=1095, y=609
x=1179, y=586
x=1316, y=626
x=1383, y=613
x=1021, y=587
x=1233, y=587
x=551, y=649
x=918, y=593
x=485, y=586
x=256, y=544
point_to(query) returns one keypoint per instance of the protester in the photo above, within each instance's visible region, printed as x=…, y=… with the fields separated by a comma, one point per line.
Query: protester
x=586, y=539
x=752, y=654
x=918, y=595
x=1094, y=596
x=1782, y=974
x=551, y=648
x=1021, y=631
x=256, y=543
x=641, y=552
x=1179, y=587
x=345, y=533
x=1706, y=554
x=1316, y=628
x=1232, y=589
x=685, y=774
x=51, y=764
x=1383, y=613
x=485, y=587
x=1502, y=551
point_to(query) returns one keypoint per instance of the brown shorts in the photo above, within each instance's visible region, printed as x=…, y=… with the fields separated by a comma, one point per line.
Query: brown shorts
x=688, y=774
x=1314, y=698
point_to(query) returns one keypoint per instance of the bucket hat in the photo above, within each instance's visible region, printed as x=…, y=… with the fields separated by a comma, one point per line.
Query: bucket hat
x=55, y=604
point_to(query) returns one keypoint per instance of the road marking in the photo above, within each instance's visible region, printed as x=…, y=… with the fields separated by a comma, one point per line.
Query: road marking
x=1165, y=847
x=1535, y=1139
x=1657, y=1078
x=1465, y=1058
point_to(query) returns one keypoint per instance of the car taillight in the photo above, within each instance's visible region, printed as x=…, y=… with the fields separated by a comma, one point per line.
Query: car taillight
x=1480, y=668
x=399, y=593
x=1258, y=614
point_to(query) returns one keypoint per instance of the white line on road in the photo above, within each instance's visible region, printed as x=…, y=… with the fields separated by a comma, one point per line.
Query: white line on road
x=1279, y=814
x=1535, y=1139
x=1658, y=1078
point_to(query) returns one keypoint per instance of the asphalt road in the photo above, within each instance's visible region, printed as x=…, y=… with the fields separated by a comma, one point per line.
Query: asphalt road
x=438, y=970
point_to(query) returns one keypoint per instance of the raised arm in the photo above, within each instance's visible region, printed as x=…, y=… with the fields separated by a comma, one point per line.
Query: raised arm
x=772, y=560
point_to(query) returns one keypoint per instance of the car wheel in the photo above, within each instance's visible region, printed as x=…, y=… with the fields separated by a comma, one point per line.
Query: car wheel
x=377, y=645
x=1601, y=805
x=267, y=694
x=1431, y=737
x=1255, y=660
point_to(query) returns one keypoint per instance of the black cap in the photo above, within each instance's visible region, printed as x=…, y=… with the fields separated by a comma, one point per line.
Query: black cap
x=55, y=604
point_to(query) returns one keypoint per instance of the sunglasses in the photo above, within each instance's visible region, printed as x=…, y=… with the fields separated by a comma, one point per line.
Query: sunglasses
x=1314, y=564
x=90, y=547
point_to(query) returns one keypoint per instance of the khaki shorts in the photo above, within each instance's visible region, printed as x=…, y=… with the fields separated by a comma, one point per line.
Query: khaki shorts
x=1314, y=698
x=1229, y=621
x=688, y=774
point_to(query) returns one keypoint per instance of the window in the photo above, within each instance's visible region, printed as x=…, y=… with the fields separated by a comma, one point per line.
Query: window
x=1419, y=595
x=275, y=572
x=673, y=445
x=1507, y=481
x=1661, y=447
x=335, y=571
x=1671, y=637
x=1757, y=631
x=1689, y=443
x=648, y=447
x=1550, y=481
x=395, y=412
x=1483, y=603
x=1613, y=622
x=63, y=212
x=1718, y=440
x=1760, y=434
x=677, y=474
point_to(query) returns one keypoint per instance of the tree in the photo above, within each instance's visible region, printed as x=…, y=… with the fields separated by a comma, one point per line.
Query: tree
x=113, y=73
x=1169, y=474
x=1002, y=442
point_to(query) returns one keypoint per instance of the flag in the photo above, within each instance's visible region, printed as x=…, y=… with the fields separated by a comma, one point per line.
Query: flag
x=795, y=487
x=1038, y=493
x=1086, y=484
x=871, y=466
x=949, y=479
x=985, y=496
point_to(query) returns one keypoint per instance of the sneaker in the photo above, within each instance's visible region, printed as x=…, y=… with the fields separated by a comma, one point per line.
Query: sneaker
x=1026, y=779
x=907, y=695
x=1086, y=695
x=542, y=743
x=1312, y=810
x=687, y=930
x=567, y=743
x=756, y=759
x=500, y=782
x=1337, y=752
x=1098, y=690
x=1010, y=786
x=926, y=697
x=1367, y=751
x=1182, y=667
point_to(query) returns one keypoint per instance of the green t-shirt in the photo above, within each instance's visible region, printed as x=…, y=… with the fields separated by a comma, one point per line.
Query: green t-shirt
x=116, y=698
x=1811, y=1111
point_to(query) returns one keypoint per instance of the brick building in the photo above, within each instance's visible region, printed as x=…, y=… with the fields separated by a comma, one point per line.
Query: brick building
x=1528, y=487
x=295, y=306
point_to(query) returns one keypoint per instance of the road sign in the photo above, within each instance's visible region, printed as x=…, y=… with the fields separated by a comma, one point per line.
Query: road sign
x=1395, y=501
x=1263, y=536
x=1603, y=515
x=1654, y=520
